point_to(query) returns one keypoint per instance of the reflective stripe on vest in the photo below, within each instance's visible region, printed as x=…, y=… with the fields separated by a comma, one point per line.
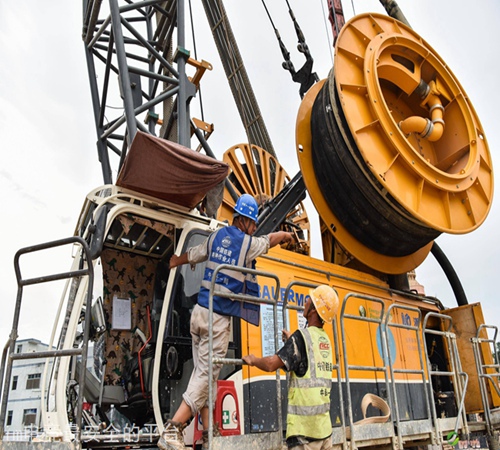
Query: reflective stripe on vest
x=309, y=396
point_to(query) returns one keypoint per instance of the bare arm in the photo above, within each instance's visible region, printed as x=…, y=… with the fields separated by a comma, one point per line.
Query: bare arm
x=268, y=363
x=278, y=237
x=178, y=260
x=285, y=335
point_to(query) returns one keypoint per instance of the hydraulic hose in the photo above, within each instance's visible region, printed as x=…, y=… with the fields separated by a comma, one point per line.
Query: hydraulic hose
x=450, y=273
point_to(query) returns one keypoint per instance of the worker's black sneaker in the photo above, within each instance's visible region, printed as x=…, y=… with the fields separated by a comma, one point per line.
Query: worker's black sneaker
x=172, y=438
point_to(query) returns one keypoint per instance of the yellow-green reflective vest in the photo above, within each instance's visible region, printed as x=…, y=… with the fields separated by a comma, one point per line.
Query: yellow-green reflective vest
x=309, y=396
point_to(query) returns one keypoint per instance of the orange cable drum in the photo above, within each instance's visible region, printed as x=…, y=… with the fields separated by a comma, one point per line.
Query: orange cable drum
x=386, y=195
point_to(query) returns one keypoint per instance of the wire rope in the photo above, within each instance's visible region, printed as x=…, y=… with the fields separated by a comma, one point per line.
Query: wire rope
x=268, y=14
x=330, y=45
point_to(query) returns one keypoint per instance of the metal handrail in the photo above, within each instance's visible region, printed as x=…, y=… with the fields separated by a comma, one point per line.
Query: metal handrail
x=480, y=366
x=458, y=387
x=348, y=366
x=415, y=328
x=293, y=307
x=212, y=361
x=8, y=356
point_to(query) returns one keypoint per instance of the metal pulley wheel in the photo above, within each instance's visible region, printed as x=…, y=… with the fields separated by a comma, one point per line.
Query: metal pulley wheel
x=391, y=150
x=256, y=172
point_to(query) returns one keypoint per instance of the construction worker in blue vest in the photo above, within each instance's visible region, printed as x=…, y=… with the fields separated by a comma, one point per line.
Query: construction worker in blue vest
x=233, y=245
x=307, y=356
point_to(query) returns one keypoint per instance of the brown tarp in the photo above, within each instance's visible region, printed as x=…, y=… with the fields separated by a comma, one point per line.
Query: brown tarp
x=169, y=171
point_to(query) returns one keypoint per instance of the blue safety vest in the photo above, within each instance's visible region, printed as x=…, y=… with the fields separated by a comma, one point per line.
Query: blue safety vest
x=230, y=245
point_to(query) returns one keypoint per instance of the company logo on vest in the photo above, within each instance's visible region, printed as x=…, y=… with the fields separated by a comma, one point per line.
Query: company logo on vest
x=226, y=242
x=324, y=347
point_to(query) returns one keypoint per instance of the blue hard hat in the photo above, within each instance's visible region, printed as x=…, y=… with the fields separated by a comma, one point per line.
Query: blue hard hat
x=247, y=206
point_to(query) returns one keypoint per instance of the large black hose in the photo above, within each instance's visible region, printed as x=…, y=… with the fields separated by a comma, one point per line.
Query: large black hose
x=450, y=273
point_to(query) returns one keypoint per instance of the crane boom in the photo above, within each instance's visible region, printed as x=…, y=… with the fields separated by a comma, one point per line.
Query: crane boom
x=237, y=76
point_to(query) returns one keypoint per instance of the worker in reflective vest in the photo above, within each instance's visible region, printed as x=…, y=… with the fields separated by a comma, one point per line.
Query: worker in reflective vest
x=307, y=355
x=233, y=245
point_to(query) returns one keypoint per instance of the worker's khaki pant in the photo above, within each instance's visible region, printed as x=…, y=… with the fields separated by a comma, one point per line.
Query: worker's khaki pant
x=196, y=395
x=325, y=444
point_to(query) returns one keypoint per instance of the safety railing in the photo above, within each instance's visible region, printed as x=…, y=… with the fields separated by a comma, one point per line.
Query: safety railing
x=407, y=314
x=486, y=372
x=8, y=355
x=336, y=365
x=395, y=430
x=377, y=319
x=459, y=378
x=236, y=361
